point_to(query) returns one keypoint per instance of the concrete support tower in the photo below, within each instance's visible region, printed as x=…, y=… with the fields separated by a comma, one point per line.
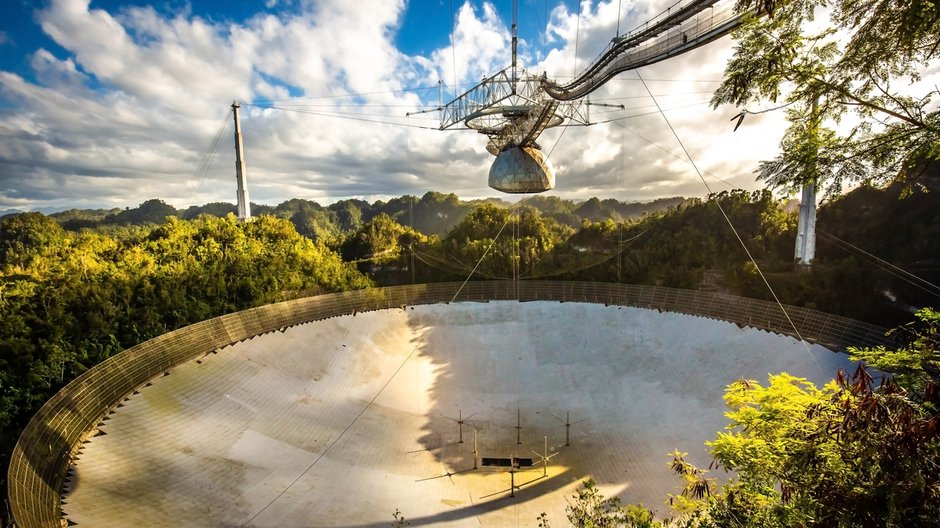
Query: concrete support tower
x=805, y=250
x=241, y=171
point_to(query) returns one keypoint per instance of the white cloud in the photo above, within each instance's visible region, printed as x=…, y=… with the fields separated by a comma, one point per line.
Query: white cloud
x=480, y=44
x=653, y=163
x=127, y=112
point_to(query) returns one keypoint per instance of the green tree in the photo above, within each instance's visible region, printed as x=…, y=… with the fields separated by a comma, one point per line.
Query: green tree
x=915, y=365
x=150, y=212
x=514, y=243
x=382, y=246
x=862, y=65
x=676, y=247
x=350, y=213
x=849, y=454
x=70, y=300
x=376, y=238
x=589, y=508
x=219, y=209
x=26, y=236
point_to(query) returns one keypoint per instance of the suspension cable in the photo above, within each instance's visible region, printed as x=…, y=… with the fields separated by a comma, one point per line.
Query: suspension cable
x=202, y=170
x=897, y=271
x=577, y=37
x=667, y=151
x=378, y=393
x=508, y=218
x=624, y=245
x=348, y=116
x=453, y=44
x=619, y=6
x=728, y=220
x=344, y=96
x=620, y=192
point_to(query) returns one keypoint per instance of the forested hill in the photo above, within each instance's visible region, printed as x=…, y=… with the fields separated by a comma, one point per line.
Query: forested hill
x=673, y=242
x=688, y=246
x=432, y=214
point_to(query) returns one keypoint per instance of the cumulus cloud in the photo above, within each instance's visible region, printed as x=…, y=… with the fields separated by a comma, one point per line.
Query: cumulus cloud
x=126, y=106
x=650, y=160
x=480, y=44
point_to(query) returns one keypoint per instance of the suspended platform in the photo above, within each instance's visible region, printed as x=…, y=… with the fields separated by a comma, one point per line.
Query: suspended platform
x=513, y=107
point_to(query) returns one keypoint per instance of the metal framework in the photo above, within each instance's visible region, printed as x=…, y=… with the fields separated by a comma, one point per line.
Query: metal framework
x=513, y=110
x=686, y=25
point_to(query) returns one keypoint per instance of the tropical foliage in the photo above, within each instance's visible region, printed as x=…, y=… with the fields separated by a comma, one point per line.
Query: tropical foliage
x=854, y=453
x=863, y=65
x=70, y=300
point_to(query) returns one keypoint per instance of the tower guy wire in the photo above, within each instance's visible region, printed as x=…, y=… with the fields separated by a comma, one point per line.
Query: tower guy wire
x=728, y=220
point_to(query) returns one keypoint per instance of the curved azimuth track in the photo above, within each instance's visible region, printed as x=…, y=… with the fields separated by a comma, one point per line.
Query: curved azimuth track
x=513, y=108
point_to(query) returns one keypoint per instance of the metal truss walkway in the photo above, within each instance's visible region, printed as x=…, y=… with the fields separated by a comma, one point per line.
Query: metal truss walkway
x=513, y=107
x=686, y=25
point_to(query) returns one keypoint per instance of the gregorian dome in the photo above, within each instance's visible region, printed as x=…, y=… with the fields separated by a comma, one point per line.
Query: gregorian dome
x=522, y=170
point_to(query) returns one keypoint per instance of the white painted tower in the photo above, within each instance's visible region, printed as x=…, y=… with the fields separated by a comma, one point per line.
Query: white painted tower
x=805, y=250
x=241, y=171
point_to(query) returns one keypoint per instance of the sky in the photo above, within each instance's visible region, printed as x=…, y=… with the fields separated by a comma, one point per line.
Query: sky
x=108, y=104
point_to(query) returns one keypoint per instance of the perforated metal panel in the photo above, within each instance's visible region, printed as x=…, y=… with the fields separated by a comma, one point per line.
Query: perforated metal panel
x=42, y=455
x=522, y=170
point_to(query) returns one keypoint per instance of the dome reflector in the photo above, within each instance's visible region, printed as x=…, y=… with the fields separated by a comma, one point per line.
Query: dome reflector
x=522, y=170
